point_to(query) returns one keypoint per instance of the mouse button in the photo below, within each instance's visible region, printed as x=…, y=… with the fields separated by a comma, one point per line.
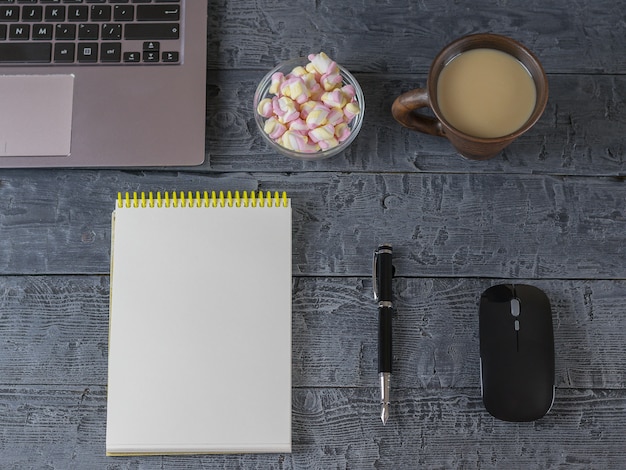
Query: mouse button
x=515, y=307
x=532, y=297
x=499, y=293
x=494, y=310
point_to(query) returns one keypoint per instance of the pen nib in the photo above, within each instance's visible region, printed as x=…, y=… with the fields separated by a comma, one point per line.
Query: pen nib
x=384, y=413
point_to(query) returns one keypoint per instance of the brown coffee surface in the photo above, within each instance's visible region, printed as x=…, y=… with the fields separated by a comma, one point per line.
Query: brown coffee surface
x=486, y=93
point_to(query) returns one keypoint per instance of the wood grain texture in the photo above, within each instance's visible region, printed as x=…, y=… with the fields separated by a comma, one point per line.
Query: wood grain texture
x=61, y=428
x=465, y=225
x=436, y=332
x=54, y=331
x=405, y=35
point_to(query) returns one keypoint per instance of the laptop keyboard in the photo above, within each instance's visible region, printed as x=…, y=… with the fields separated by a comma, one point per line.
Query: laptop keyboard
x=90, y=32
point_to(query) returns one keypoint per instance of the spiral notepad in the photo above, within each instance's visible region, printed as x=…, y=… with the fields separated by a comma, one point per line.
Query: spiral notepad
x=200, y=324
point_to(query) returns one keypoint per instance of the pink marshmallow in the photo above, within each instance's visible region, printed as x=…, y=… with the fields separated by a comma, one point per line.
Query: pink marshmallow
x=285, y=109
x=265, y=108
x=295, y=88
x=274, y=128
x=277, y=79
x=351, y=110
x=334, y=99
x=298, y=125
x=317, y=116
x=298, y=71
x=305, y=108
x=342, y=132
x=297, y=142
x=348, y=91
x=336, y=116
x=322, y=133
x=323, y=64
x=331, y=81
x=328, y=144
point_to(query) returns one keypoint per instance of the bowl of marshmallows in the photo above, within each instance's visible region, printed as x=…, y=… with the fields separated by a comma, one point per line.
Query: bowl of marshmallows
x=309, y=108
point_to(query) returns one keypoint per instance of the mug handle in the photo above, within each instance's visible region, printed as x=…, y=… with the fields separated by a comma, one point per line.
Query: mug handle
x=403, y=107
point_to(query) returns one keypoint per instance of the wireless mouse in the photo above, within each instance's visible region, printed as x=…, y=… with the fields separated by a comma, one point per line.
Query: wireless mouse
x=516, y=352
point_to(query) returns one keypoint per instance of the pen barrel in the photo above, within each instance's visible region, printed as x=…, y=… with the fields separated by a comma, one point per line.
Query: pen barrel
x=385, y=351
x=384, y=273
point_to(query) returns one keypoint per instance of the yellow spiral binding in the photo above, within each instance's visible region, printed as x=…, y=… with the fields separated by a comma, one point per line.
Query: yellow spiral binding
x=221, y=199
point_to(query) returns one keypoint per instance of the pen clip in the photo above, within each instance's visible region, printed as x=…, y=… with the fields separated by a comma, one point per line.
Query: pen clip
x=374, y=278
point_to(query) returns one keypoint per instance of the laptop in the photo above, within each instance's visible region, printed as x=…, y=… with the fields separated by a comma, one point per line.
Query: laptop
x=102, y=83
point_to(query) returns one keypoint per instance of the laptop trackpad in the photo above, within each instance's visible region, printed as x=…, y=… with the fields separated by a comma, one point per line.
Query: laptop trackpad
x=35, y=115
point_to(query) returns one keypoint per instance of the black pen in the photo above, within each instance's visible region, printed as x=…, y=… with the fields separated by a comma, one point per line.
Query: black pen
x=382, y=277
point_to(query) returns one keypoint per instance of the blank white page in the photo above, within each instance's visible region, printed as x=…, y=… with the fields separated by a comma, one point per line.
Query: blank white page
x=200, y=330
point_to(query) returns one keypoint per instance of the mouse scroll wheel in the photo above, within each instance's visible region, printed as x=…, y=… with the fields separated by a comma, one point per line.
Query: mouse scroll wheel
x=515, y=307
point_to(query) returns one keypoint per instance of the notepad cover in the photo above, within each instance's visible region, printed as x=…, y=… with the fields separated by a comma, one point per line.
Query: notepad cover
x=200, y=330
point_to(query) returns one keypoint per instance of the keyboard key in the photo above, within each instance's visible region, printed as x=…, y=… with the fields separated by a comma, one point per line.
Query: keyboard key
x=9, y=13
x=132, y=56
x=34, y=52
x=55, y=13
x=170, y=56
x=78, y=13
x=151, y=46
x=123, y=12
x=19, y=31
x=111, y=52
x=88, y=31
x=65, y=32
x=32, y=13
x=150, y=56
x=42, y=32
x=101, y=13
x=147, y=31
x=87, y=52
x=64, y=52
x=158, y=13
x=111, y=31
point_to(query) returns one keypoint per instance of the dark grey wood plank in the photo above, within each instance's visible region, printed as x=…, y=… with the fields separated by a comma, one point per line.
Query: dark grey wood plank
x=461, y=225
x=580, y=133
x=54, y=331
x=436, y=332
x=63, y=428
x=404, y=35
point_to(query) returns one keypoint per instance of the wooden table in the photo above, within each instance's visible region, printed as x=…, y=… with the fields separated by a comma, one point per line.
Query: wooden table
x=549, y=211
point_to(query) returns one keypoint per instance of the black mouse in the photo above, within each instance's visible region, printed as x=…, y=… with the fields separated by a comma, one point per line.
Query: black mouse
x=516, y=352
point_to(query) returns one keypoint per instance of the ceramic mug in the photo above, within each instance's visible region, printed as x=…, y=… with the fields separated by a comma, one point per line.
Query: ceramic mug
x=467, y=143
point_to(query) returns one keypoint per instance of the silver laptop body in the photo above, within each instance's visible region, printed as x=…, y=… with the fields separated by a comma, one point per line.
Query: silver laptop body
x=99, y=83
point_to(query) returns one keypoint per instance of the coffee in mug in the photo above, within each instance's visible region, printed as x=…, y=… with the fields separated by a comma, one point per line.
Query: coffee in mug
x=485, y=90
x=486, y=93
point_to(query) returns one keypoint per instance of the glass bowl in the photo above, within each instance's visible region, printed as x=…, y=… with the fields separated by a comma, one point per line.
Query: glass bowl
x=354, y=125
